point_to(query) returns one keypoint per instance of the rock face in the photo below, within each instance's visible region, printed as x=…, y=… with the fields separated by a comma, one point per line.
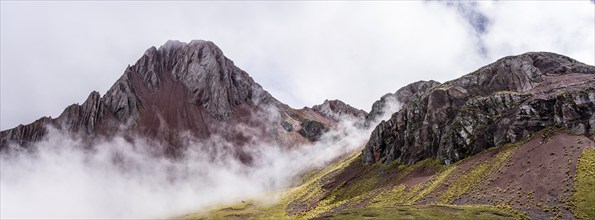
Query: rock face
x=312, y=130
x=501, y=103
x=336, y=109
x=176, y=89
x=392, y=101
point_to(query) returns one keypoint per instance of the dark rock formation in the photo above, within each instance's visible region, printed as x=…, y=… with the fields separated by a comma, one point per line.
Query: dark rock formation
x=85, y=118
x=336, y=109
x=24, y=135
x=176, y=89
x=500, y=103
x=287, y=126
x=312, y=130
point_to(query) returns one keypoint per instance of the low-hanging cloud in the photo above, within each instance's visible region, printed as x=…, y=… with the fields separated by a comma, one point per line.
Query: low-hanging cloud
x=64, y=177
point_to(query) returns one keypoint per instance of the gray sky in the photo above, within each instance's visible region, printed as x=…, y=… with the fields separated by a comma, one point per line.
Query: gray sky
x=54, y=54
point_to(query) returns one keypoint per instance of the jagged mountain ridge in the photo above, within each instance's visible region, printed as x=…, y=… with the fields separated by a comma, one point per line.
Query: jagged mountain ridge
x=500, y=103
x=176, y=88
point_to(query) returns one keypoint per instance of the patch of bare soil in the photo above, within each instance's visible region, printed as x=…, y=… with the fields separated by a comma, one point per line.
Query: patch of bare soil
x=239, y=216
x=236, y=209
x=418, y=176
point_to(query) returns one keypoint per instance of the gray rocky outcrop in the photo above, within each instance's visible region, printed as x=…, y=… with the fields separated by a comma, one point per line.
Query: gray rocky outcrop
x=501, y=103
x=85, y=117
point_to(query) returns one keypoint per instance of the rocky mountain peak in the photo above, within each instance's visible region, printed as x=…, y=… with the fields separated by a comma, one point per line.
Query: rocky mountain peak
x=519, y=73
x=211, y=79
x=182, y=88
x=500, y=103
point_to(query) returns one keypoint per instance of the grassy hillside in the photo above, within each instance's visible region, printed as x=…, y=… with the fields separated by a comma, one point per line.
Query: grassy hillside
x=530, y=179
x=423, y=212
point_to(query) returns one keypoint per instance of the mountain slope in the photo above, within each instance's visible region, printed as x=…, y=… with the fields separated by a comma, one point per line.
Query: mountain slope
x=547, y=175
x=175, y=90
x=511, y=140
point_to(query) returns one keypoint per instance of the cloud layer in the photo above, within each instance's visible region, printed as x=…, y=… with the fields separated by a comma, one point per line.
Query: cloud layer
x=63, y=177
x=120, y=179
x=301, y=52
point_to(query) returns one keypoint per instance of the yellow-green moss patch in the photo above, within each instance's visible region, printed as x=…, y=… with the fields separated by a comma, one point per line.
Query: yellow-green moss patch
x=476, y=175
x=584, y=185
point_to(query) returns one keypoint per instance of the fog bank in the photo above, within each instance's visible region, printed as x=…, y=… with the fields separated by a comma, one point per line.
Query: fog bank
x=63, y=178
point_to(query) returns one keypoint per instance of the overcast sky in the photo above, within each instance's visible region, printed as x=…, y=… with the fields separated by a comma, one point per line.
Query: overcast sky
x=54, y=54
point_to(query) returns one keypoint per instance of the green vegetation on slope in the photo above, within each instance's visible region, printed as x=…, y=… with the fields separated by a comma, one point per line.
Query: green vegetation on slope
x=584, y=185
x=400, y=195
x=474, y=177
x=238, y=211
x=475, y=212
x=374, y=186
x=423, y=212
x=314, y=199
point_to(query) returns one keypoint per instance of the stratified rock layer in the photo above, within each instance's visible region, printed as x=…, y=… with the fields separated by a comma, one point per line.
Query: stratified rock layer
x=500, y=103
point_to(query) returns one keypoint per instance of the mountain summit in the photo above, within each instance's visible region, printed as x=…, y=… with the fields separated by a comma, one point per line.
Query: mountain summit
x=177, y=88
